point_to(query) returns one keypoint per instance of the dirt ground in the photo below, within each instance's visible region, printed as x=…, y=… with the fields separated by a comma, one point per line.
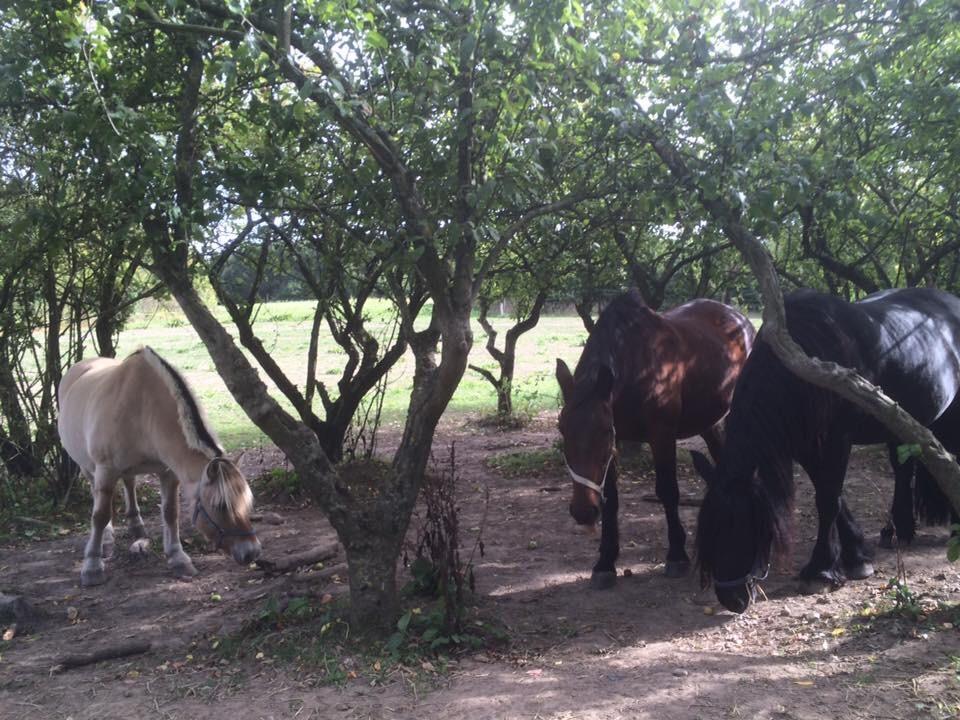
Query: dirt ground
x=649, y=648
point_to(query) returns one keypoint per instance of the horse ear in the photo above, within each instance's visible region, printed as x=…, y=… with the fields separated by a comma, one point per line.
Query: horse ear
x=604, y=384
x=564, y=379
x=213, y=472
x=703, y=466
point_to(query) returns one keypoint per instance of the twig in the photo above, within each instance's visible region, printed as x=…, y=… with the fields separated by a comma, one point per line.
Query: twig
x=107, y=653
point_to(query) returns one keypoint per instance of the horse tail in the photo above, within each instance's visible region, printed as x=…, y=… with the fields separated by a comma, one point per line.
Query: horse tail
x=197, y=431
x=931, y=504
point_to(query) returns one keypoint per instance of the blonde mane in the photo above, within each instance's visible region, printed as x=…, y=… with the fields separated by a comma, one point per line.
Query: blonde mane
x=196, y=430
x=230, y=492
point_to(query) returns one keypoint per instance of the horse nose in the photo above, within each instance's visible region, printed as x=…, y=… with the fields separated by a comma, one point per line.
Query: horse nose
x=585, y=514
x=735, y=600
x=246, y=552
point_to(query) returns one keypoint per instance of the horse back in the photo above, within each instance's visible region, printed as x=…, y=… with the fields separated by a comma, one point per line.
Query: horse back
x=115, y=413
x=703, y=346
x=905, y=341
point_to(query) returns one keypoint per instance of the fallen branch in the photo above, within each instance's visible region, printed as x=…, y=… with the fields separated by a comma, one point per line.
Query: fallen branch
x=292, y=562
x=106, y=653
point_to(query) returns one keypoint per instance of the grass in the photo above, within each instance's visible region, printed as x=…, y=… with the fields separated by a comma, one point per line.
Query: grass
x=284, y=328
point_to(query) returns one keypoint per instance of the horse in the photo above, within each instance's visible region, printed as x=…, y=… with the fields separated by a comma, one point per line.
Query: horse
x=138, y=415
x=650, y=377
x=905, y=341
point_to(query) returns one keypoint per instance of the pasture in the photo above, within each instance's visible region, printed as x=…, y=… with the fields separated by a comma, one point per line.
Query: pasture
x=239, y=642
x=284, y=328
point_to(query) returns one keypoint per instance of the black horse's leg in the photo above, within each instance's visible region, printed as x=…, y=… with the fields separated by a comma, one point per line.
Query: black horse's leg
x=605, y=571
x=665, y=464
x=903, y=524
x=853, y=550
x=827, y=474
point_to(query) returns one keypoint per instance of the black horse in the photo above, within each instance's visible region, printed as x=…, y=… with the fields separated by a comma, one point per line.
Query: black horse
x=905, y=341
x=650, y=377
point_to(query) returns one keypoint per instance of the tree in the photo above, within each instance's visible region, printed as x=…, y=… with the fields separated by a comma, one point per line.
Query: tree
x=379, y=77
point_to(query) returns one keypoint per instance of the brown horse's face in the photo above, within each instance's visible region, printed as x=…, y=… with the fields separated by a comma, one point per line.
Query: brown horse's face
x=222, y=511
x=586, y=426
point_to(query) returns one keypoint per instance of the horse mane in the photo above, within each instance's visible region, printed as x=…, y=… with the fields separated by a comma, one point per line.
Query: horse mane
x=231, y=493
x=196, y=429
x=762, y=438
x=617, y=322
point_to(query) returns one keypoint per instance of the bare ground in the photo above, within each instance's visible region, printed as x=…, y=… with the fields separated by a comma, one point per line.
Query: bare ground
x=649, y=648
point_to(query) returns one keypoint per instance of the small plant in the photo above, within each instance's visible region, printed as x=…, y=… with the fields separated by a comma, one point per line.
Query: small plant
x=439, y=574
x=953, y=544
x=280, y=484
x=527, y=462
x=906, y=602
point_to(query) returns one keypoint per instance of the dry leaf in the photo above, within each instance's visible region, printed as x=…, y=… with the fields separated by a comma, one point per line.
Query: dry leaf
x=803, y=683
x=837, y=632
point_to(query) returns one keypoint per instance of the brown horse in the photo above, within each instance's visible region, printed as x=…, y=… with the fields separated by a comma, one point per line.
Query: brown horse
x=121, y=418
x=650, y=377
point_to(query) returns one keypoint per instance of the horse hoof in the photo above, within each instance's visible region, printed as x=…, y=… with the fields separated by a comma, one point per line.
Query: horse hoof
x=819, y=583
x=859, y=572
x=96, y=576
x=886, y=540
x=603, y=579
x=676, y=568
x=183, y=570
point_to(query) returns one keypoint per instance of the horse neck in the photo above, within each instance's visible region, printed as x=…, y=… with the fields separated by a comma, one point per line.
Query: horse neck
x=188, y=465
x=622, y=349
x=759, y=436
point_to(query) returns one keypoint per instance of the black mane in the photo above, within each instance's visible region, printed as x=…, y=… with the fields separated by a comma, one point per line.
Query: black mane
x=617, y=322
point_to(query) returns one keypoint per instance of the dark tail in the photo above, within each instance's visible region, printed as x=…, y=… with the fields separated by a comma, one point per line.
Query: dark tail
x=931, y=504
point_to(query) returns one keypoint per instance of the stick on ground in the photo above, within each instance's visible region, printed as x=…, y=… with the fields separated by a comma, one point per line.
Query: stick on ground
x=105, y=653
x=292, y=562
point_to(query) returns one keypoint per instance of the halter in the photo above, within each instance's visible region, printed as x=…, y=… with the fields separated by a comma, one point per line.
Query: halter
x=199, y=509
x=750, y=579
x=586, y=482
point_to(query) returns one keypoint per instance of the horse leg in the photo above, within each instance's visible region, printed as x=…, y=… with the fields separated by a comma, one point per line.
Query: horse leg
x=901, y=523
x=665, y=465
x=106, y=541
x=134, y=521
x=713, y=436
x=103, y=484
x=604, y=573
x=827, y=476
x=853, y=550
x=177, y=559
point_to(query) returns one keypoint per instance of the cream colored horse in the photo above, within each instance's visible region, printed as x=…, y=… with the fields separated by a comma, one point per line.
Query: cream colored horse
x=120, y=418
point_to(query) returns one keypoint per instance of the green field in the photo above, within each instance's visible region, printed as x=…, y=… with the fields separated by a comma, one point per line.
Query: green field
x=284, y=328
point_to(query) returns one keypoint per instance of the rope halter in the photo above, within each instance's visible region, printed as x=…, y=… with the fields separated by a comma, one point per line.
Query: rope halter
x=586, y=482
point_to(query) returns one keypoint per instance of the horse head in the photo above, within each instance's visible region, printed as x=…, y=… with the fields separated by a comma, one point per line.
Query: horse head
x=589, y=442
x=737, y=530
x=222, y=510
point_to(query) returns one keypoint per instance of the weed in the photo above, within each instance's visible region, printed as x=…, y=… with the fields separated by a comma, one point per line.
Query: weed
x=906, y=602
x=527, y=462
x=279, y=485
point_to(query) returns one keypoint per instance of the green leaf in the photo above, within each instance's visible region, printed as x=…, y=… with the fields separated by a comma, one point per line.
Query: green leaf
x=905, y=452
